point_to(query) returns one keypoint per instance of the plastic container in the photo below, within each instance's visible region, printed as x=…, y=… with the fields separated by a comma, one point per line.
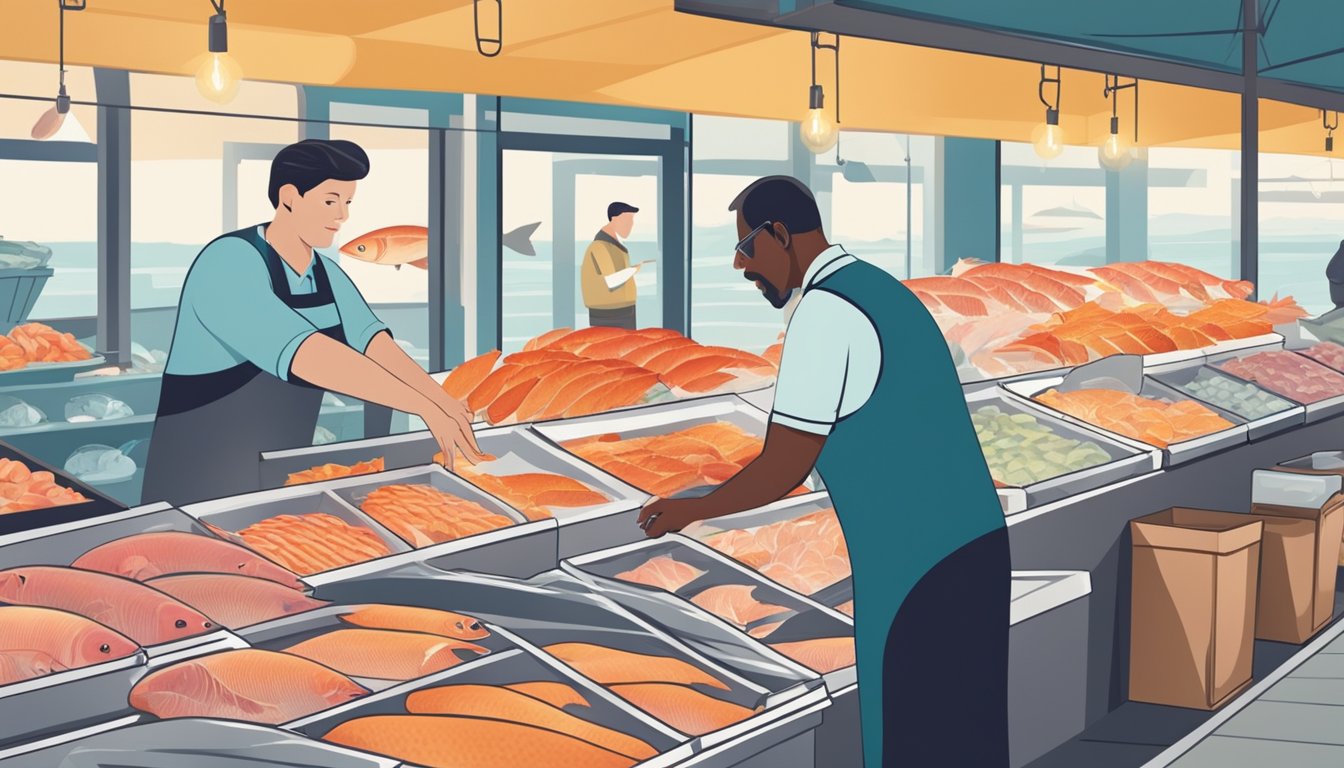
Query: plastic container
x=98, y=503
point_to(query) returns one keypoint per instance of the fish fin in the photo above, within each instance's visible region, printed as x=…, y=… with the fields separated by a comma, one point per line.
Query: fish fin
x=421, y=263
x=139, y=568
x=520, y=239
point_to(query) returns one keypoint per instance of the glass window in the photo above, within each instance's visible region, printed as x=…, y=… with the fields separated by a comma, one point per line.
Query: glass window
x=56, y=205
x=1052, y=212
x=1301, y=210
x=566, y=195
x=740, y=138
x=1192, y=200
x=17, y=116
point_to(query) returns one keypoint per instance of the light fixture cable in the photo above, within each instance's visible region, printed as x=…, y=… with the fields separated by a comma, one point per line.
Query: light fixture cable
x=498, y=39
x=1330, y=129
x=1051, y=110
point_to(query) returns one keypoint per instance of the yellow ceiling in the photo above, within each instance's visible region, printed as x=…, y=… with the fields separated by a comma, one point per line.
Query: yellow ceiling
x=630, y=52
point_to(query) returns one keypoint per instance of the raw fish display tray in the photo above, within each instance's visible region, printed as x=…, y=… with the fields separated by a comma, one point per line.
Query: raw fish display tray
x=506, y=668
x=664, y=419
x=581, y=529
x=554, y=607
x=803, y=619
x=98, y=504
x=1128, y=458
x=522, y=549
x=188, y=742
x=286, y=631
x=790, y=508
x=412, y=449
x=62, y=545
x=1315, y=412
x=1175, y=453
x=50, y=373
x=1281, y=421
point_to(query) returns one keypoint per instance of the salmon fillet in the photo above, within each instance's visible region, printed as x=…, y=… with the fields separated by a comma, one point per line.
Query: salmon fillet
x=423, y=515
x=846, y=608
x=555, y=694
x=708, y=383
x=610, y=665
x=662, y=572
x=734, y=604
x=499, y=703
x=314, y=542
x=508, y=402
x=577, y=340
x=643, y=355
x=683, y=708
x=622, y=392
x=332, y=471
x=444, y=741
x=546, y=339
x=822, y=655
x=469, y=375
x=385, y=654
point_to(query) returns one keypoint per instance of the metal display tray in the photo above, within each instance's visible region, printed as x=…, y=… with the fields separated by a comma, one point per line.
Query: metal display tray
x=412, y=449
x=1290, y=417
x=97, y=505
x=554, y=607
x=581, y=529
x=62, y=545
x=50, y=373
x=664, y=419
x=802, y=618
x=1128, y=458
x=1175, y=453
x=286, y=631
x=790, y=508
x=1315, y=412
x=188, y=742
x=524, y=548
x=506, y=668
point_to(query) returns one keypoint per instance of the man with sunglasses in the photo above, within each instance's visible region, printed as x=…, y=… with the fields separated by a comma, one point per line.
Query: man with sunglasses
x=868, y=395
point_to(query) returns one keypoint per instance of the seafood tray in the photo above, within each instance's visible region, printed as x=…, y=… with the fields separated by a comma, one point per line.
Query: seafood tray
x=50, y=373
x=1125, y=373
x=228, y=516
x=800, y=620
x=98, y=504
x=508, y=667
x=63, y=701
x=1290, y=416
x=522, y=549
x=414, y=449
x=1127, y=458
x=556, y=608
x=784, y=510
x=279, y=634
x=653, y=420
x=1315, y=412
x=62, y=545
x=172, y=743
x=581, y=529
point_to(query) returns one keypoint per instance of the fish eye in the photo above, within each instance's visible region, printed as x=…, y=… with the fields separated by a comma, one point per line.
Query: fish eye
x=180, y=624
x=105, y=648
x=359, y=248
x=459, y=625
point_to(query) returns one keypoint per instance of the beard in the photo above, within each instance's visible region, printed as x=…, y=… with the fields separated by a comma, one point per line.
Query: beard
x=772, y=294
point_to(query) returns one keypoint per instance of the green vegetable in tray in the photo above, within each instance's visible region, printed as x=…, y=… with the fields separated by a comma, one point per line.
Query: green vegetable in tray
x=1021, y=450
x=1242, y=398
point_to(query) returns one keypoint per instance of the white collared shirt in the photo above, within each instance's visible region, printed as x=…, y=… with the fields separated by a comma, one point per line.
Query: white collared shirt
x=831, y=355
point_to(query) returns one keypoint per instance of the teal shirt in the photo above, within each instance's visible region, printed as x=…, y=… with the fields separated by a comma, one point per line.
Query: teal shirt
x=229, y=313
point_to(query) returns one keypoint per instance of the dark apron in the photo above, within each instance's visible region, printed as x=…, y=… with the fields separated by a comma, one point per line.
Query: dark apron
x=211, y=428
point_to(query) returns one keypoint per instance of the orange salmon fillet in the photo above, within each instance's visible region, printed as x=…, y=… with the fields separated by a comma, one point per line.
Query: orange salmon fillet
x=683, y=708
x=609, y=666
x=467, y=376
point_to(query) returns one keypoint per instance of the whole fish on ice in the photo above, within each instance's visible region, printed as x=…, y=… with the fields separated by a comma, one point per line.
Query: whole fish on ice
x=406, y=244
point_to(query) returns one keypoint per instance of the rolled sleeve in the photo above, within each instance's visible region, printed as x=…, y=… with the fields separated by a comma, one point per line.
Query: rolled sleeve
x=358, y=321
x=814, y=367
x=229, y=292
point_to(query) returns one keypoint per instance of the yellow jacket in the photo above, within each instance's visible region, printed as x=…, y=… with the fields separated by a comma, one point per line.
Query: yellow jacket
x=603, y=258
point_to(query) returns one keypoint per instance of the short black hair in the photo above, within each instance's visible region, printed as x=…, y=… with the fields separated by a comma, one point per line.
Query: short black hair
x=616, y=209
x=310, y=162
x=781, y=199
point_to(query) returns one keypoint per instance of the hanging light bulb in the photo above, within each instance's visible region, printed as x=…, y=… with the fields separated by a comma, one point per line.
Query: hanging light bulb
x=1329, y=129
x=218, y=75
x=817, y=130
x=51, y=121
x=1048, y=139
x=1116, y=152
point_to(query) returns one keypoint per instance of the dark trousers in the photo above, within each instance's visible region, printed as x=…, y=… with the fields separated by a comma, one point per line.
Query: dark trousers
x=623, y=317
x=945, y=669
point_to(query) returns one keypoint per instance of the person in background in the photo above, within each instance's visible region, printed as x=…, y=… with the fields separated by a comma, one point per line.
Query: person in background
x=867, y=393
x=1334, y=272
x=264, y=326
x=607, y=279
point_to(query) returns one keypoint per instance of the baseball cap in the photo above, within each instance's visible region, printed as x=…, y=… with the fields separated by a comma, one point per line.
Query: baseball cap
x=616, y=209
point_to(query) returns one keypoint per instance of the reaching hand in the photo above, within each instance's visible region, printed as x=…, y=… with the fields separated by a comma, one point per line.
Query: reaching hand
x=453, y=433
x=660, y=516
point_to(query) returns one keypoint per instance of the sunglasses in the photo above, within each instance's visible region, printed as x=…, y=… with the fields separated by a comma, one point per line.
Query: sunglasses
x=747, y=245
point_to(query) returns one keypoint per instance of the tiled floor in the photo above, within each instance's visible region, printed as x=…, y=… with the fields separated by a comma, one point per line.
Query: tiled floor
x=1298, y=722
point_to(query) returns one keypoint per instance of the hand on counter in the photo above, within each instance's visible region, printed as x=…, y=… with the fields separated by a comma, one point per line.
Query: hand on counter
x=660, y=516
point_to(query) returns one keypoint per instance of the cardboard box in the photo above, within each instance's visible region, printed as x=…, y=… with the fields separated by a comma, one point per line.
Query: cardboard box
x=1192, y=620
x=1320, y=463
x=1303, y=516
